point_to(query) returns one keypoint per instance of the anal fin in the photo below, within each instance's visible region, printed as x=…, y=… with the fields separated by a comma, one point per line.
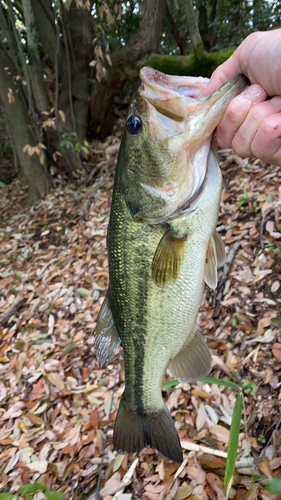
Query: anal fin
x=168, y=259
x=107, y=339
x=194, y=360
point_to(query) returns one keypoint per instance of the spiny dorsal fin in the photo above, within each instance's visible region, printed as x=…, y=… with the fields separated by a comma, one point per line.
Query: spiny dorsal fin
x=210, y=268
x=194, y=360
x=107, y=339
x=220, y=249
x=168, y=259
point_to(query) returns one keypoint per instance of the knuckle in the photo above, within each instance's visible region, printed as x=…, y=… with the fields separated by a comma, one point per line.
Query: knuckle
x=232, y=113
x=256, y=114
x=266, y=141
x=238, y=144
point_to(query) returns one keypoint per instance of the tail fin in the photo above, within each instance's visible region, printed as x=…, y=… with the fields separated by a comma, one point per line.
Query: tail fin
x=133, y=432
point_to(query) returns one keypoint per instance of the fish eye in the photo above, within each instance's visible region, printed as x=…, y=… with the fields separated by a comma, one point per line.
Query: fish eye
x=134, y=125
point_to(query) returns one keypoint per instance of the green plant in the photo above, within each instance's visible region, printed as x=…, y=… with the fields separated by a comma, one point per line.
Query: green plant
x=235, y=320
x=261, y=439
x=274, y=486
x=254, y=207
x=30, y=490
x=277, y=322
x=244, y=200
x=70, y=140
x=249, y=387
x=272, y=248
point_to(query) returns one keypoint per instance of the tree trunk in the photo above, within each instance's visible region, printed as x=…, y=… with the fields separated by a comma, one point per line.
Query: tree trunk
x=78, y=23
x=213, y=25
x=203, y=25
x=194, y=32
x=181, y=40
x=70, y=55
x=126, y=63
x=35, y=66
x=54, y=48
x=36, y=174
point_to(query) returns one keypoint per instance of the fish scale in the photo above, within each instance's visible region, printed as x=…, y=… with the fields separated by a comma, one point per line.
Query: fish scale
x=162, y=248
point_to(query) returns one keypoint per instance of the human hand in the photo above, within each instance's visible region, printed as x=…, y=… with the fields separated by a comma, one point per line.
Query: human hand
x=252, y=124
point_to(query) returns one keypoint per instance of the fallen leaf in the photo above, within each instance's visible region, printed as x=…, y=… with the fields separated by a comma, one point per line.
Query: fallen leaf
x=55, y=379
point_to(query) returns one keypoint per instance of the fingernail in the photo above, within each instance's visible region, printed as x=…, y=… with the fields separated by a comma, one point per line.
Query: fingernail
x=254, y=93
x=276, y=100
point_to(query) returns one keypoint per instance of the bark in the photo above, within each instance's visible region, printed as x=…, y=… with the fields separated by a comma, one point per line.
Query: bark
x=35, y=65
x=194, y=32
x=180, y=40
x=213, y=26
x=54, y=48
x=79, y=24
x=126, y=63
x=70, y=55
x=36, y=174
x=45, y=23
x=203, y=25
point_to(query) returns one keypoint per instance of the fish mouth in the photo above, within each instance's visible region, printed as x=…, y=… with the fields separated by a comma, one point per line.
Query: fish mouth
x=180, y=115
x=170, y=95
x=182, y=99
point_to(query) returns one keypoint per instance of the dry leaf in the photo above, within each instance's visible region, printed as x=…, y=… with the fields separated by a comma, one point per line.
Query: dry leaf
x=55, y=379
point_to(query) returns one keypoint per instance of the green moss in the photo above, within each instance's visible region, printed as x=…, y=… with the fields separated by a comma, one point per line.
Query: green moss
x=188, y=65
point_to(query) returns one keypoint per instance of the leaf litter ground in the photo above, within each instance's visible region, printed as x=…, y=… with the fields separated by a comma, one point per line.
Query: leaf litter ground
x=55, y=401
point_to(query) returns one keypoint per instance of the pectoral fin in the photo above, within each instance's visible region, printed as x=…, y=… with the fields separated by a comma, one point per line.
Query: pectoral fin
x=194, y=360
x=210, y=269
x=220, y=249
x=107, y=339
x=168, y=259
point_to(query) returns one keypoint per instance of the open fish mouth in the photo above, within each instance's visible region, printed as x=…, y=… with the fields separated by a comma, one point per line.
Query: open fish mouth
x=183, y=119
x=171, y=95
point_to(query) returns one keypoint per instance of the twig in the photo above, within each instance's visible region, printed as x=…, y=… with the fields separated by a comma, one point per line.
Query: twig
x=21, y=55
x=226, y=269
x=264, y=217
x=57, y=66
x=68, y=65
x=107, y=429
x=187, y=445
x=19, y=300
x=179, y=471
x=126, y=479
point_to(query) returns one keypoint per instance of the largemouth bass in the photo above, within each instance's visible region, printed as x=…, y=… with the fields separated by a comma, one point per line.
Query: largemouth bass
x=162, y=248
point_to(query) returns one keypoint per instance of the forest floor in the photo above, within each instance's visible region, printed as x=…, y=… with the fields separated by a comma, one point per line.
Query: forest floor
x=55, y=400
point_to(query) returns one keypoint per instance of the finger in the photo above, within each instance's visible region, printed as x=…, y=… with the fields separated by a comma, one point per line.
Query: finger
x=223, y=73
x=237, y=112
x=267, y=141
x=245, y=137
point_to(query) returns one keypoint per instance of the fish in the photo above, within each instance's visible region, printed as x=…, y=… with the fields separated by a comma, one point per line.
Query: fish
x=162, y=249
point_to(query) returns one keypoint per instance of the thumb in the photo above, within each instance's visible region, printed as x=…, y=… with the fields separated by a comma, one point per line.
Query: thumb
x=224, y=72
